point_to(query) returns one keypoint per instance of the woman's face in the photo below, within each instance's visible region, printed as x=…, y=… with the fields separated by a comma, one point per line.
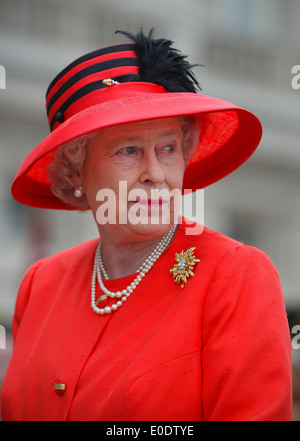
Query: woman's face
x=130, y=173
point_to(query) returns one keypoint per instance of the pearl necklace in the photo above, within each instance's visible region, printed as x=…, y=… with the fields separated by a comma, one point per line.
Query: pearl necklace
x=123, y=295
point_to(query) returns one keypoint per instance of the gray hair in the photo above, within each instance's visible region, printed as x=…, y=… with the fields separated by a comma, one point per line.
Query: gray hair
x=69, y=160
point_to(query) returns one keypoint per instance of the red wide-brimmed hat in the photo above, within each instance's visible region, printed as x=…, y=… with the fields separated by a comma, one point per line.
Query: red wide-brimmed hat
x=140, y=80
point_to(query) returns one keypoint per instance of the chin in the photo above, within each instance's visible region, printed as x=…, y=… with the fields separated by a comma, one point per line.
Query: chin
x=155, y=229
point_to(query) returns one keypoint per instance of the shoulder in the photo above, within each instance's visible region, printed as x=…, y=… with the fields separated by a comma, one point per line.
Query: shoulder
x=49, y=272
x=222, y=255
x=68, y=258
x=239, y=271
x=229, y=248
x=53, y=268
x=193, y=232
x=216, y=245
x=237, y=253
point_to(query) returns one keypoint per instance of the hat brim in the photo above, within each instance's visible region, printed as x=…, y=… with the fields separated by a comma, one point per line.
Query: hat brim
x=231, y=135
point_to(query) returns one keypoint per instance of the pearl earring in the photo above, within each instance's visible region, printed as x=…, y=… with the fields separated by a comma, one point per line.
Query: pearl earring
x=78, y=192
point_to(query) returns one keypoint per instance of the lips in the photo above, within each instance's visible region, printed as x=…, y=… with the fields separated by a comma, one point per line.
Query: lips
x=150, y=202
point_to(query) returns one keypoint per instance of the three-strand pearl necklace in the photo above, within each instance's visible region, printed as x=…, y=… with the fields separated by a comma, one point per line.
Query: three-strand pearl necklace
x=123, y=295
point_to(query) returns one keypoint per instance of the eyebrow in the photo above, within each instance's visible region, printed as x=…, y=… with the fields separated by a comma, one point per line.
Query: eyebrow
x=133, y=138
x=171, y=132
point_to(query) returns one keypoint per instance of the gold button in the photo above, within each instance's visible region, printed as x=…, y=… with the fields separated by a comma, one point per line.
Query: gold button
x=59, y=386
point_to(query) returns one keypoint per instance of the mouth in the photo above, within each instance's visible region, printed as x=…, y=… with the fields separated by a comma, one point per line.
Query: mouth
x=150, y=202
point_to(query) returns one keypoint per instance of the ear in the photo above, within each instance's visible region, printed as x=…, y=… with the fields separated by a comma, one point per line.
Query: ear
x=77, y=181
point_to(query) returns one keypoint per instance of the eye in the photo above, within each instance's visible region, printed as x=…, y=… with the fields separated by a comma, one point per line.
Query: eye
x=170, y=148
x=167, y=150
x=127, y=150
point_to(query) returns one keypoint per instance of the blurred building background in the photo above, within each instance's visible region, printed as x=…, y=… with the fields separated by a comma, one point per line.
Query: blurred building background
x=248, y=48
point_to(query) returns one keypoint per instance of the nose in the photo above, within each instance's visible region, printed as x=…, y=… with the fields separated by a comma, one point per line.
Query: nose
x=151, y=169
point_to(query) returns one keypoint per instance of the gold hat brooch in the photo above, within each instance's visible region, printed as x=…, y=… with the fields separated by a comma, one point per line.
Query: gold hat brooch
x=183, y=269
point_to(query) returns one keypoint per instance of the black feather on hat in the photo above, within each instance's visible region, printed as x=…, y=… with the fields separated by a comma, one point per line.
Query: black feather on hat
x=161, y=64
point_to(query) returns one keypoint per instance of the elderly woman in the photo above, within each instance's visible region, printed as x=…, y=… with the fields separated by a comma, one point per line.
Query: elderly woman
x=149, y=321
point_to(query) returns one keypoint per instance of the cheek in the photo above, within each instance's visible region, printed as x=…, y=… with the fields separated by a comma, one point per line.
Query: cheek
x=94, y=177
x=108, y=178
x=174, y=176
x=96, y=174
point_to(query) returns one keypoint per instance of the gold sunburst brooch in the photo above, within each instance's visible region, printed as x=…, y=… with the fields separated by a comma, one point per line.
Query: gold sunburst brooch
x=183, y=269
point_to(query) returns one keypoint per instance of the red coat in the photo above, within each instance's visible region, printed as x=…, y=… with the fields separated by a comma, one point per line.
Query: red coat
x=217, y=349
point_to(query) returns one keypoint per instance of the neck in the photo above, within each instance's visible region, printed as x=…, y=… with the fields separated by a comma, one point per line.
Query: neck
x=123, y=258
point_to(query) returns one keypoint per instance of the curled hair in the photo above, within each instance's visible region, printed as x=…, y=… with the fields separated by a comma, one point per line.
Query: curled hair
x=67, y=164
x=69, y=159
x=191, y=134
